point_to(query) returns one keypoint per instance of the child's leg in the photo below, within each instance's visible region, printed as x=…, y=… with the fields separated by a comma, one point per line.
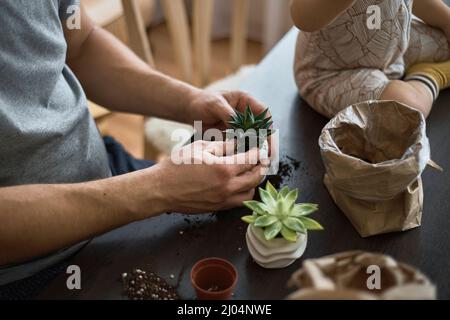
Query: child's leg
x=329, y=92
x=421, y=86
x=412, y=93
x=423, y=81
x=426, y=44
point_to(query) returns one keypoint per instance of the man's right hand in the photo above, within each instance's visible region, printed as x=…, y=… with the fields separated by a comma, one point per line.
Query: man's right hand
x=208, y=180
x=51, y=217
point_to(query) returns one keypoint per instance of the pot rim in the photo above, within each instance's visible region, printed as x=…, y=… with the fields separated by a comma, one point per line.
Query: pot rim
x=199, y=265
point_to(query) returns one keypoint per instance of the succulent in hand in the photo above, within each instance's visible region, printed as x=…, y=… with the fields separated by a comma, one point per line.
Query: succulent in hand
x=278, y=214
x=247, y=126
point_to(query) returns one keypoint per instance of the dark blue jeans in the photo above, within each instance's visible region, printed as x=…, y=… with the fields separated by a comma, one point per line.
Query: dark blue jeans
x=121, y=162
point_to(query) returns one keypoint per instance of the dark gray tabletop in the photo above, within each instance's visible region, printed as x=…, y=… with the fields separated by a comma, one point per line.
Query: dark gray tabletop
x=157, y=244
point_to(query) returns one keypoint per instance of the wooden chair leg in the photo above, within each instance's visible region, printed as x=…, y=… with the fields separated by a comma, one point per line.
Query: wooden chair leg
x=239, y=33
x=202, y=26
x=137, y=34
x=138, y=41
x=176, y=15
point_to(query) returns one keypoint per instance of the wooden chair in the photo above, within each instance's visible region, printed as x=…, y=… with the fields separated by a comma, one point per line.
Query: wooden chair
x=109, y=14
x=137, y=31
x=178, y=24
x=187, y=52
x=202, y=16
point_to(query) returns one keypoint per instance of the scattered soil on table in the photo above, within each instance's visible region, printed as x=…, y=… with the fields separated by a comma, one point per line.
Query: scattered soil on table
x=288, y=166
x=294, y=162
x=196, y=221
x=142, y=285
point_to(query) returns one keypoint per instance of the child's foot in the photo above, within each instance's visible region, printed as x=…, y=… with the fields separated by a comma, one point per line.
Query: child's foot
x=434, y=75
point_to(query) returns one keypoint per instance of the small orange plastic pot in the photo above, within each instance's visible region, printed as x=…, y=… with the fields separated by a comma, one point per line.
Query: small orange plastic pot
x=214, y=279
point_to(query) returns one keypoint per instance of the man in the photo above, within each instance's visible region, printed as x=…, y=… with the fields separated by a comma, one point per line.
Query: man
x=57, y=188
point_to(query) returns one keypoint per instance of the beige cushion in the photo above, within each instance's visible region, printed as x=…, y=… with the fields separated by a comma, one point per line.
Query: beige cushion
x=104, y=12
x=233, y=81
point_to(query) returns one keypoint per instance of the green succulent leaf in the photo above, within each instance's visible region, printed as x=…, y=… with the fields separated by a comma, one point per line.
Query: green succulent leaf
x=251, y=117
x=281, y=209
x=283, y=192
x=239, y=117
x=248, y=121
x=304, y=209
x=233, y=123
x=291, y=197
x=268, y=124
x=248, y=112
x=265, y=221
x=273, y=230
x=294, y=224
x=266, y=197
x=271, y=189
x=249, y=219
x=277, y=212
x=288, y=234
x=255, y=206
x=262, y=115
x=311, y=224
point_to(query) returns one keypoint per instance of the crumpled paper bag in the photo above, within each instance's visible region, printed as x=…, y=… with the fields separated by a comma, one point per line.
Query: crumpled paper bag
x=374, y=154
x=344, y=276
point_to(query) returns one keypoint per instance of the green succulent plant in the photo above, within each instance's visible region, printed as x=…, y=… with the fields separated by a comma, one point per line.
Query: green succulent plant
x=278, y=214
x=251, y=126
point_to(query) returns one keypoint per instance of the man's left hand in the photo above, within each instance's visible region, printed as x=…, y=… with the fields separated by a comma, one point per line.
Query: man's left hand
x=216, y=109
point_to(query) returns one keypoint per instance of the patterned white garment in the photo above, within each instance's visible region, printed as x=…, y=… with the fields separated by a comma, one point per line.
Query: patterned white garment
x=346, y=62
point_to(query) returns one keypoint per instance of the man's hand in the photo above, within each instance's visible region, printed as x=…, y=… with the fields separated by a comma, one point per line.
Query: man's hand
x=208, y=179
x=81, y=211
x=216, y=109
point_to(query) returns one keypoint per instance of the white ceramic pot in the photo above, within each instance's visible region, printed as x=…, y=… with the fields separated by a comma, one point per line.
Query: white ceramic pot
x=264, y=154
x=276, y=253
x=264, y=150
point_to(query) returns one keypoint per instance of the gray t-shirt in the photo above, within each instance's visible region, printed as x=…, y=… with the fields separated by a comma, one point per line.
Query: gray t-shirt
x=46, y=132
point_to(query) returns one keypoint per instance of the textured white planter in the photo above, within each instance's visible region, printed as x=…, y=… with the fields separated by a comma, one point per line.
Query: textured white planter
x=276, y=253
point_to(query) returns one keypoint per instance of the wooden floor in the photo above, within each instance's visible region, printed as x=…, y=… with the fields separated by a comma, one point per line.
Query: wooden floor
x=128, y=129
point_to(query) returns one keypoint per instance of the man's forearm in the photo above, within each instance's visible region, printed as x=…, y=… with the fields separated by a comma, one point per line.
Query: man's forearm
x=39, y=219
x=313, y=15
x=434, y=12
x=115, y=77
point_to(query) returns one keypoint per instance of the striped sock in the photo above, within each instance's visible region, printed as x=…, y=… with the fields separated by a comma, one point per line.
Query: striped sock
x=436, y=76
x=427, y=81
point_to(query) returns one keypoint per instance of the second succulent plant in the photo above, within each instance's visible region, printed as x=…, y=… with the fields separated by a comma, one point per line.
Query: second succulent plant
x=278, y=214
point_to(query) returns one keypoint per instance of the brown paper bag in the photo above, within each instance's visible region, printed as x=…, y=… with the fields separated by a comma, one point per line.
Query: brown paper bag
x=374, y=154
x=344, y=276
